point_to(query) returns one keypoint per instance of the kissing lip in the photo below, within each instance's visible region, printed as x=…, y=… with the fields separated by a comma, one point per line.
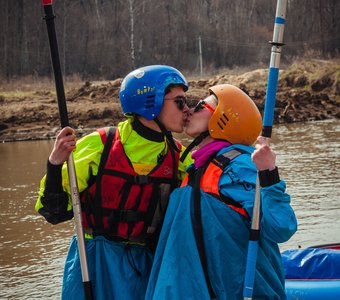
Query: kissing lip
x=186, y=120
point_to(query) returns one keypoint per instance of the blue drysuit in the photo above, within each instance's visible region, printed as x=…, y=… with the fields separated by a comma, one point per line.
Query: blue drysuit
x=116, y=270
x=177, y=270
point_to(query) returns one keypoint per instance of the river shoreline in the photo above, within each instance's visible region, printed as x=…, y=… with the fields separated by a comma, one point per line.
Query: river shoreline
x=307, y=91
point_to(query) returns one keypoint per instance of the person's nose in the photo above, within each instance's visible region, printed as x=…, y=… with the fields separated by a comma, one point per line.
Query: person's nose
x=190, y=111
x=186, y=108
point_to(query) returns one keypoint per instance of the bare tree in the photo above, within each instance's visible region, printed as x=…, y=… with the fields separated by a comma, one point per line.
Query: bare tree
x=108, y=38
x=132, y=27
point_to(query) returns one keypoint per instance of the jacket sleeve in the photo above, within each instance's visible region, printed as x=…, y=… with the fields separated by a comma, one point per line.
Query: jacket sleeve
x=53, y=204
x=278, y=221
x=238, y=181
x=54, y=200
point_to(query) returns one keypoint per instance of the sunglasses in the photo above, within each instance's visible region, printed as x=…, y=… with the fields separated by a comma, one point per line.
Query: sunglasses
x=180, y=101
x=202, y=104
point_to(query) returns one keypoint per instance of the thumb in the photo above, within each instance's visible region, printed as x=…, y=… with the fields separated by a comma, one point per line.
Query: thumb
x=263, y=141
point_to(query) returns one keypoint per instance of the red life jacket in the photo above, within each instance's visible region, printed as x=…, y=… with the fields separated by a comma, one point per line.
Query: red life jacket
x=122, y=205
x=211, y=177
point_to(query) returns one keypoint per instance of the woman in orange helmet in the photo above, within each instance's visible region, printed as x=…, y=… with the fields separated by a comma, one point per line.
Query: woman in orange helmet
x=203, y=246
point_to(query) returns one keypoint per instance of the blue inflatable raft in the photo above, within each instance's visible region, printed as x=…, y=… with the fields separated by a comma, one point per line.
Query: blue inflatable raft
x=313, y=273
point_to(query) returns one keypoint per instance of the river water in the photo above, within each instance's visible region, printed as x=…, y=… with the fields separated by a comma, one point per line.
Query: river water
x=32, y=252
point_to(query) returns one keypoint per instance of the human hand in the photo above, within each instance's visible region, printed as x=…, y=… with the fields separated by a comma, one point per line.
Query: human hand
x=64, y=144
x=263, y=157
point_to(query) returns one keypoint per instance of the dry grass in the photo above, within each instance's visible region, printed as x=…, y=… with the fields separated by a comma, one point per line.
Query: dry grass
x=28, y=85
x=312, y=68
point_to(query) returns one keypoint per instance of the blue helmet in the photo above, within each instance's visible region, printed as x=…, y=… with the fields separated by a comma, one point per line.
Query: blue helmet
x=142, y=91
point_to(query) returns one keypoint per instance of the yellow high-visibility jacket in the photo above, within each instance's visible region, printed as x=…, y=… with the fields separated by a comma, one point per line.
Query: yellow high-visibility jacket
x=143, y=154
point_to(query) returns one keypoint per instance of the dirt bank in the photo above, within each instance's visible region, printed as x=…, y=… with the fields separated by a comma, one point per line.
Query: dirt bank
x=307, y=90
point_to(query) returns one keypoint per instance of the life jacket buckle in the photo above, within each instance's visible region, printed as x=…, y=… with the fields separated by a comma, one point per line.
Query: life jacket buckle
x=140, y=179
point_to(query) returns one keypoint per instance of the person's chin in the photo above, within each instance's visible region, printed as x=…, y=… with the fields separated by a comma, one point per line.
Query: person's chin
x=178, y=129
x=188, y=132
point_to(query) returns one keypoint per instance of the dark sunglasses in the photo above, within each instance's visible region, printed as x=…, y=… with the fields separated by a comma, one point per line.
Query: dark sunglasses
x=202, y=104
x=180, y=101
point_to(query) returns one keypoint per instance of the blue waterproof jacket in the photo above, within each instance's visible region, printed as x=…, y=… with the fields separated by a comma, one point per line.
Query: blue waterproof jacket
x=177, y=270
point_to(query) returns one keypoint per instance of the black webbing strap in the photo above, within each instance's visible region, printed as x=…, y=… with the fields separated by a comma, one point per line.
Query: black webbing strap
x=124, y=192
x=198, y=228
x=135, y=208
x=168, y=135
x=86, y=207
x=194, y=143
x=137, y=179
x=154, y=199
x=98, y=214
x=124, y=215
x=221, y=161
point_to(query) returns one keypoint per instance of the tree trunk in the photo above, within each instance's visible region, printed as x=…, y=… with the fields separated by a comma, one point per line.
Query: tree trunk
x=132, y=27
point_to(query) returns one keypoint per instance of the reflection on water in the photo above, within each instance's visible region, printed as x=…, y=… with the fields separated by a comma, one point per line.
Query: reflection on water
x=32, y=252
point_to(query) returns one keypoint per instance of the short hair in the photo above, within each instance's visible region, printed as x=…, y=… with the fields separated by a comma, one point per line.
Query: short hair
x=169, y=87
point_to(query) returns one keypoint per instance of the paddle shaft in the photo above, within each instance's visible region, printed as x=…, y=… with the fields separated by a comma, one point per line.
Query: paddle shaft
x=49, y=18
x=268, y=118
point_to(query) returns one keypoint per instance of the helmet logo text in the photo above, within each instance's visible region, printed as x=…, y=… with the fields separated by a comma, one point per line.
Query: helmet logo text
x=145, y=89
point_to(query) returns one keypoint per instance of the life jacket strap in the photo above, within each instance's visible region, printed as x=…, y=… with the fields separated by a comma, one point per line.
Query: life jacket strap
x=98, y=215
x=137, y=179
x=193, y=144
x=124, y=215
x=198, y=227
x=195, y=177
x=224, y=159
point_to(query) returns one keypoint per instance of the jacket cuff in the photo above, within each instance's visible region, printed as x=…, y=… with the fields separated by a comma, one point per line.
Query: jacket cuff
x=268, y=178
x=53, y=183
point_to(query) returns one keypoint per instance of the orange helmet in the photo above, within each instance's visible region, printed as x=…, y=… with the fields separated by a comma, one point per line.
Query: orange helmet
x=236, y=117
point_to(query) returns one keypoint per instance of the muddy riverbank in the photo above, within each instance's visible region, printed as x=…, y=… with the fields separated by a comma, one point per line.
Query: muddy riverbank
x=307, y=91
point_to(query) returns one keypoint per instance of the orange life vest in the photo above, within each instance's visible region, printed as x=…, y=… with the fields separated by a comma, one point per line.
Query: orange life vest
x=210, y=179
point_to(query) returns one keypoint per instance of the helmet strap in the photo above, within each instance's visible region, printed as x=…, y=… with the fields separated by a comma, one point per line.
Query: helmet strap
x=193, y=144
x=168, y=135
x=173, y=147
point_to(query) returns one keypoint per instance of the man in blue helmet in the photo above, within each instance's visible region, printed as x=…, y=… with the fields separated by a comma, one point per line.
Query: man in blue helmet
x=125, y=176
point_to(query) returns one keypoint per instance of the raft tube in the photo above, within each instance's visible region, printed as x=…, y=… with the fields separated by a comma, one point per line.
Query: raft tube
x=312, y=289
x=312, y=273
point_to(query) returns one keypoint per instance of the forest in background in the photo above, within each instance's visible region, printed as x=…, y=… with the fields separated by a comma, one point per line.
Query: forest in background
x=108, y=38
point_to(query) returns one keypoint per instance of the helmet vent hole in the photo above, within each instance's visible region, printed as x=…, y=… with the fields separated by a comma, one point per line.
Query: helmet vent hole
x=224, y=123
x=150, y=101
x=225, y=117
x=219, y=125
